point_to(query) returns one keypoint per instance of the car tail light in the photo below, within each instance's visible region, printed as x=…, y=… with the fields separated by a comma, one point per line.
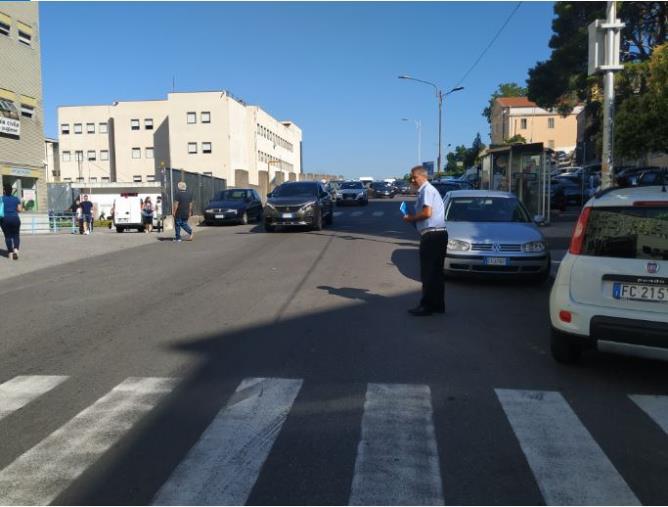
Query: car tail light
x=565, y=316
x=651, y=204
x=579, y=233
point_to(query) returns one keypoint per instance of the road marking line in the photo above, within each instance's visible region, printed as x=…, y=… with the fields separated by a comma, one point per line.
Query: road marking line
x=224, y=464
x=39, y=475
x=569, y=466
x=378, y=213
x=21, y=390
x=337, y=213
x=397, y=458
x=356, y=213
x=654, y=406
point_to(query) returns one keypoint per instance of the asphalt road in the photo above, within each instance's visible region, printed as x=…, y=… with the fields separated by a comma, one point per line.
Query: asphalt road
x=247, y=367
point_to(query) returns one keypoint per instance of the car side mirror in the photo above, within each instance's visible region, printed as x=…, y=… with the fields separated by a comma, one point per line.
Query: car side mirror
x=270, y=195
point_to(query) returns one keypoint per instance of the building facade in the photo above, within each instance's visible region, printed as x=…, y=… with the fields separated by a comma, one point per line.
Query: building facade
x=512, y=116
x=22, y=156
x=206, y=132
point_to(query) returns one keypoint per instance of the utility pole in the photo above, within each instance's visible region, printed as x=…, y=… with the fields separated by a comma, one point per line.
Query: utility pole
x=440, y=108
x=604, y=42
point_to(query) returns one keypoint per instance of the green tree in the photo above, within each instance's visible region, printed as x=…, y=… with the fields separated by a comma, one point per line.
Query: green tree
x=517, y=138
x=471, y=157
x=503, y=90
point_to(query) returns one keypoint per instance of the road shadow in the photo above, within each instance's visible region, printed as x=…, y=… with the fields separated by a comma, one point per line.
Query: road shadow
x=352, y=293
x=407, y=262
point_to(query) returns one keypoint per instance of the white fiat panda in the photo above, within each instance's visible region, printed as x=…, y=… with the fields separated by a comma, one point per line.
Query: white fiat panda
x=611, y=290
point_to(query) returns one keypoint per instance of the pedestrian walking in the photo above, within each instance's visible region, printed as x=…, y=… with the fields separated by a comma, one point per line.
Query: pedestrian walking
x=157, y=213
x=429, y=220
x=87, y=214
x=147, y=215
x=183, y=209
x=10, y=222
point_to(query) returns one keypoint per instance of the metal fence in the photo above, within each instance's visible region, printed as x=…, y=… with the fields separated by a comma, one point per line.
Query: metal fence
x=202, y=186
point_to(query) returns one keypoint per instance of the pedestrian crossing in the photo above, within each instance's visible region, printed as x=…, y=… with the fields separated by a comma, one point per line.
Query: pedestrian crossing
x=397, y=461
x=366, y=214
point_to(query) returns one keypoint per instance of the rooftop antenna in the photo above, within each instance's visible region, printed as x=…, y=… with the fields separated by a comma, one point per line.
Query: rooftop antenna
x=173, y=83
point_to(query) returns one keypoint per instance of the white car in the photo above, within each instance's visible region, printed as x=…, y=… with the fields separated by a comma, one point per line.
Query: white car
x=611, y=290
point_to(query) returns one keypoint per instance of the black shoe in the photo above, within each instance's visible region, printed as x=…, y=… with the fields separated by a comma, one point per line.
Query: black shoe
x=420, y=311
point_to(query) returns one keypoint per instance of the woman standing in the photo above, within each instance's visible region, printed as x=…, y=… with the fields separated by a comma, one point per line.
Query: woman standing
x=147, y=215
x=11, y=223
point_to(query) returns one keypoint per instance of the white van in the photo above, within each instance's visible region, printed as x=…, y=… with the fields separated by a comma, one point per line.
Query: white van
x=127, y=213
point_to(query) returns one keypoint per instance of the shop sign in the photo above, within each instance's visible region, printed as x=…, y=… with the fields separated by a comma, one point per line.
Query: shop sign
x=9, y=119
x=20, y=171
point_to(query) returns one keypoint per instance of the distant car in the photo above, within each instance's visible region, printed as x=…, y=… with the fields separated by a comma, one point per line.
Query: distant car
x=444, y=187
x=237, y=205
x=382, y=189
x=352, y=192
x=653, y=177
x=558, y=199
x=491, y=233
x=303, y=203
x=403, y=187
x=611, y=290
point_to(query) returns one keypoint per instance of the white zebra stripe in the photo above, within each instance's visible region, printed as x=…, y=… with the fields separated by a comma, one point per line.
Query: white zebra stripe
x=654, y=406
x=337, y=213
x=569, y=466
x=19, y=391
x=38, y=476
x=397, y=458
x=356, y=213
x=378, y=213
x=224, y=464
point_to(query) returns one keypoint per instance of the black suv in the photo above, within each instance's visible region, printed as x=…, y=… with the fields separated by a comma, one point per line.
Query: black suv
x=298, y=203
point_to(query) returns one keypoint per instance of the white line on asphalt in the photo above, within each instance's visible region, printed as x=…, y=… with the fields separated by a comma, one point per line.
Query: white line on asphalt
x=337, y=213
x=654, y=406
x=356, y=213
x=569, y=466
x=378, y=213
x=397, y=457
x=21, y=390
x=224, y=464
x=39, y=475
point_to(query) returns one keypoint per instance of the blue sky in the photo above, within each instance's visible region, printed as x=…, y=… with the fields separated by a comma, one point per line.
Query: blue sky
x=330, y=67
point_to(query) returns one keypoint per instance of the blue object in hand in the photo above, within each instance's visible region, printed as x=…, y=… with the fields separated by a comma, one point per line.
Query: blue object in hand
x=403, y=208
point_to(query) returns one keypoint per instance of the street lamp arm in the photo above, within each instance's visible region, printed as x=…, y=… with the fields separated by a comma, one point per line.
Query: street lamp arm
x=421, y=81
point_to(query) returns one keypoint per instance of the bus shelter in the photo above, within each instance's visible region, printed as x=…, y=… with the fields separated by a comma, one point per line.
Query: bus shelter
x=522, y=169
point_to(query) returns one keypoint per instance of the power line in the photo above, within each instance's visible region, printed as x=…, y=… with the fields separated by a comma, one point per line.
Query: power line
x=489, y=45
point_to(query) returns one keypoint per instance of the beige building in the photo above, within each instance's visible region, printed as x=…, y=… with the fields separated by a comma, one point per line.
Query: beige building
x=205, y=132
x=21, y=116
x=513, y=116
x=51, y=160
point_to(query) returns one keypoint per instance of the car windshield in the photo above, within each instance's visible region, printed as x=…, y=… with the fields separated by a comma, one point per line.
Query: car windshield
x=627, y=232
x=295, y=190
x=380, y=186
x=486, y=209
x=352, y=185
x=231, y=195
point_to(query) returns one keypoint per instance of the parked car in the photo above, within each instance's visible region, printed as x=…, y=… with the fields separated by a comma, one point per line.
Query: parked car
x=403, y=187
x=236, y=205
x=298, y=203
x=558, y=198
x=352, y=192
x=492, y=233
x=611, y=290
x=657, y=176
x=444, y=187
x=380, y=189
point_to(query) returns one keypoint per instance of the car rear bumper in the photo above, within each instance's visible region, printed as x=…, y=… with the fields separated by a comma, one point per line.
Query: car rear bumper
x=211, y=218
x=515, y=265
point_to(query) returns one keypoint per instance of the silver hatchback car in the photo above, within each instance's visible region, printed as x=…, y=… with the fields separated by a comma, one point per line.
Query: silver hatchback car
x=492, y=233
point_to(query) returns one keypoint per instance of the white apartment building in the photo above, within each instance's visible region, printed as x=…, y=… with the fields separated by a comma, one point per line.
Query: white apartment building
x=206, y=132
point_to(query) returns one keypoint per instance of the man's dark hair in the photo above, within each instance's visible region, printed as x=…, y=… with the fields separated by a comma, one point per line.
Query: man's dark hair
x=7, y=189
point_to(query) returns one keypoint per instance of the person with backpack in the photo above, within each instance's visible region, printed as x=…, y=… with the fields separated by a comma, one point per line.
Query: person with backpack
x=10, y=207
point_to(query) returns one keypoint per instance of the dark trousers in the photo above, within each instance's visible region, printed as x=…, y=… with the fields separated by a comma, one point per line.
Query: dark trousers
x=11, y=226
x=433, y=246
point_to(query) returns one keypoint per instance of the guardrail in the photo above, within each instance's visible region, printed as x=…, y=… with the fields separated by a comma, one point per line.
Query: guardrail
x=46, y=224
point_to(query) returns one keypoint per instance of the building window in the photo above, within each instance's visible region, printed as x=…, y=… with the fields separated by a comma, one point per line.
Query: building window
x=523, y=123
x=550, y=123
x=90, y=128
x=192, y=118
x=103, y=128
x=25, y=33
x=67, y=156
x=136, y=153
x=207, y=173
x=150, y=178
x=149, y=152
x=136, y=178
x=4, y=24
x=93, y=179
x=206, y=117
x=192, y=148
x=77, y=128
x=67, y=179
x=27, y=111
x=148, y=123
x=64, y=128
x=78, y=155
x=206, y=147
x=91, y=155
x=105, y=178
x=134, y=124
x=104, y=154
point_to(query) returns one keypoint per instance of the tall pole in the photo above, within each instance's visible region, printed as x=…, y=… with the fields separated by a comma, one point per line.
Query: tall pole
x=418, y=124
x=440, y=108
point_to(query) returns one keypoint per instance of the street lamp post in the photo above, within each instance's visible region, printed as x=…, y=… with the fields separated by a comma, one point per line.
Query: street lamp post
x=440, y=96
x=418, y=126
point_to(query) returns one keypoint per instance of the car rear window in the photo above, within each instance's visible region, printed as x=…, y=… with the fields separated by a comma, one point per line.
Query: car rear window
x=627, y=232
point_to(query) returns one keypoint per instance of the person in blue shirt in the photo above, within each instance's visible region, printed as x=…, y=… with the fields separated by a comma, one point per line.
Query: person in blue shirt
x=11, y=223
x=429, y=220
